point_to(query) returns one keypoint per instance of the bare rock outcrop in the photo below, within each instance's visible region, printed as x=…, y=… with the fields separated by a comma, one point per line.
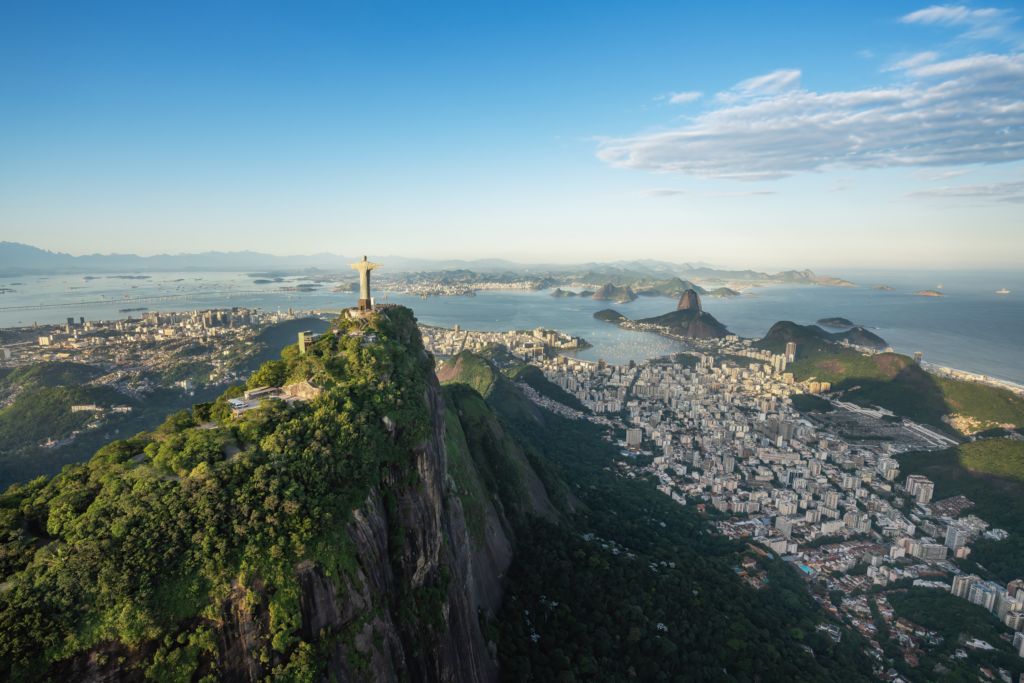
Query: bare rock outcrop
x=689, y=301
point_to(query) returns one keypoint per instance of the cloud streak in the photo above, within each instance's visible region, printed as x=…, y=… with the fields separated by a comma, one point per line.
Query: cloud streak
x=984, y=23
x=949, y=113
x=661, y=193
x=683, y=97
x=1007, y=191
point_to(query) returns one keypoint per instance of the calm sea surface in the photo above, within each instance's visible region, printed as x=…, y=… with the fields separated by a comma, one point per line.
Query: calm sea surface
x=971, y=328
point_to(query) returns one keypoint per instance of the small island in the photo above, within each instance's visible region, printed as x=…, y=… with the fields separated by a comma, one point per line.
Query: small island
x=561, y=292
x=610, y=316
x=723, y=293
x=928, y=292
x=884, y=287
x=834, y=322
x=622, y=295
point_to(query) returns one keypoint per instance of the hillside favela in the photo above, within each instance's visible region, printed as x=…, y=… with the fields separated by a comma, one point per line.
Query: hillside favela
x=513, y=343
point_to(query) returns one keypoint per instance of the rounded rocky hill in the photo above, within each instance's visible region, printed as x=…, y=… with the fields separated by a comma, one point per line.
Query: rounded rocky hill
x=689, y=301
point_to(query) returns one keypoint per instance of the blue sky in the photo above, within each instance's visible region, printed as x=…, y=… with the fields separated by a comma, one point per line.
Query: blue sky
x=750, y=135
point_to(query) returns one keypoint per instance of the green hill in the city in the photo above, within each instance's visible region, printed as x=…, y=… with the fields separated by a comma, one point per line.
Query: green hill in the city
x=894, y=382
x=534, y=377
x=990, y=473
x=50, y=374
x=45, y=413
x=785, y=331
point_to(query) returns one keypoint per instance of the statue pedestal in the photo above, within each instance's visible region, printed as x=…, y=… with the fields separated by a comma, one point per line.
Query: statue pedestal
x=365, y=305
x=358, y=312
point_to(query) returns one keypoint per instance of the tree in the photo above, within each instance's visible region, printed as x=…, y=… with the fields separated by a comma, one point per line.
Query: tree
x=271, y=374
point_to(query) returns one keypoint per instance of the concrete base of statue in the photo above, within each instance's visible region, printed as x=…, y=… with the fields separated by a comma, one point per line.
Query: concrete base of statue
x=360, y=313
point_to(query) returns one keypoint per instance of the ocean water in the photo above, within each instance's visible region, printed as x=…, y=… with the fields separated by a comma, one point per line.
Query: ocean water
x=972, y=328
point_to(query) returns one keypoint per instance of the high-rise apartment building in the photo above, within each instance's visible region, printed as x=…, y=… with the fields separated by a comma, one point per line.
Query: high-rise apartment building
x=924, y=493
x=956, y=537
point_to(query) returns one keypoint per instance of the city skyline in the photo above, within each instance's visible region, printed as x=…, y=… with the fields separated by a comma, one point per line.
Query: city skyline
x=765, y=138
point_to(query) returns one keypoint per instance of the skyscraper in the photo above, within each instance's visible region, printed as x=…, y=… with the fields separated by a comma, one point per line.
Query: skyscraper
x=791, y=351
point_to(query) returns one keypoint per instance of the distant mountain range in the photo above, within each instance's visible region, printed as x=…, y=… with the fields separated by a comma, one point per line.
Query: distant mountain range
x=21, y=259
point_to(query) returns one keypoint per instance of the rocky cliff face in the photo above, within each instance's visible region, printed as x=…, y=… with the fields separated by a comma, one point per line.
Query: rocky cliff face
x=689, y=301
x=435, y=537
x=458, y=653
x=410, y=539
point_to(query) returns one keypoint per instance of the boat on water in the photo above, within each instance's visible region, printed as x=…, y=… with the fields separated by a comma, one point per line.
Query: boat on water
x=1004, y=290
x=938, y=287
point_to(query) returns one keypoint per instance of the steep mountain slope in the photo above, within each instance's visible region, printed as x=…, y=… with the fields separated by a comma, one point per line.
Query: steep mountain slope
x=320, y=541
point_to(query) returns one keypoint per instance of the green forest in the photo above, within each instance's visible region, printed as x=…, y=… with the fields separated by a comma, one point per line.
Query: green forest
x=534, y=377
x=951, y=616
x=990, y=473
x=49, y=374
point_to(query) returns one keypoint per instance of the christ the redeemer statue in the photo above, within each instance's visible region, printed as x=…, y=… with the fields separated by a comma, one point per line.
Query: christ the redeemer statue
x=364, y=267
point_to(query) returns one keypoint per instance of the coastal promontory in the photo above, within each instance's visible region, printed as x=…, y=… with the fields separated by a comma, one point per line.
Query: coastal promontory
x=834, y=322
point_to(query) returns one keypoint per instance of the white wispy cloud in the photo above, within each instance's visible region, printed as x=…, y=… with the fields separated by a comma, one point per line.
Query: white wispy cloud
x=756, y=193
x=776, y=82
x=984, y=23
x=838, y=188
x=914, y=61
x=661, y=193
x=949, y=113
x=937, y=175
x=1006, y=191
x=683, y=97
